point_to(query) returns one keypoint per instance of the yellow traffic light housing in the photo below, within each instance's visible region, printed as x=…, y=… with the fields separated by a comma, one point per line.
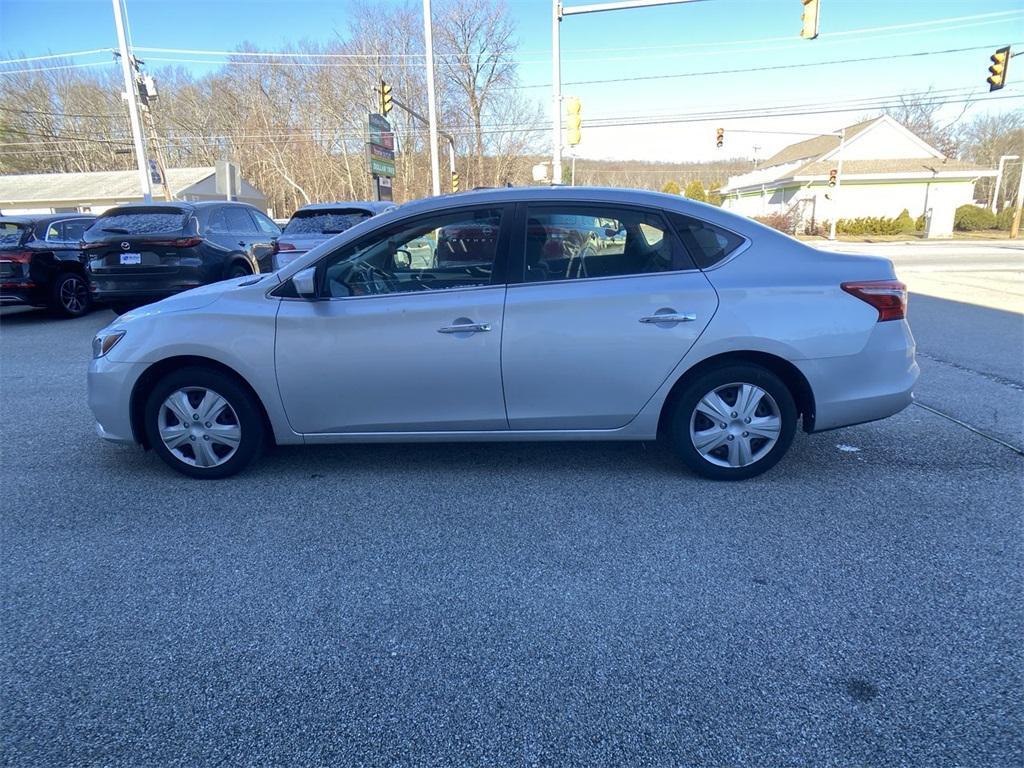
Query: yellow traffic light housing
x=832, y=176
x=455, y=182
x=997, y=71
x=809, y=18
x=386, y=104
x=720, y=138
x=573, y=122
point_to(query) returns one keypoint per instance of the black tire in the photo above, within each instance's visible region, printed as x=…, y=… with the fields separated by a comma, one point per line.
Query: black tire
x=69, y=295
x=238, y=269
x=245, y=413
x=683, y=415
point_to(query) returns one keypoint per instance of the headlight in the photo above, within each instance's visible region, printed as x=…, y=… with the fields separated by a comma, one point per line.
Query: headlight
x=105, y=342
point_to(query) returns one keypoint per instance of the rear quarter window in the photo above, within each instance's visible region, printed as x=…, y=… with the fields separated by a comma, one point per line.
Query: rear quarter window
x=11, y=233
x=706, y=243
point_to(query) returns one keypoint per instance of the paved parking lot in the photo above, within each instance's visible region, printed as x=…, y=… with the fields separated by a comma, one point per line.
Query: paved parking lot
x=518, y=604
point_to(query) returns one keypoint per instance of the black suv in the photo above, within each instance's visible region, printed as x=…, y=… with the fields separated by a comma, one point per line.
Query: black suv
x=137, y=254
x=41, y=264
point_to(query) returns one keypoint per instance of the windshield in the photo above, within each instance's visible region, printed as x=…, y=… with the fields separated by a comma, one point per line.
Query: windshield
x=11, y=233
x=141, y=221
x=329, y=222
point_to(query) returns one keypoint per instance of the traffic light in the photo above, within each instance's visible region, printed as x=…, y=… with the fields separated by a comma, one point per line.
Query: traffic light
x=720, y=138
x=1000, y=61
x=832, y=175
x=385, y=98
x=572, y=107
x=455, y=182
x=810, y=19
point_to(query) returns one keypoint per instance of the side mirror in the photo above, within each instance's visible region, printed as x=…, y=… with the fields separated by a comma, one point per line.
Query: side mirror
x=305, y=283
x=402, y=259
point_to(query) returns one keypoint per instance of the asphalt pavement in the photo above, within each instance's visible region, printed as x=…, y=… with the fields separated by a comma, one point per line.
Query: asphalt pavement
x=526, y=604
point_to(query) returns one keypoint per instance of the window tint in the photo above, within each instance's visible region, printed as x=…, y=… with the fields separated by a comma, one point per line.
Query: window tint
x=570, y=243
x=320, y=222
x=239, y=220
x=706, y=243
x=443, y=251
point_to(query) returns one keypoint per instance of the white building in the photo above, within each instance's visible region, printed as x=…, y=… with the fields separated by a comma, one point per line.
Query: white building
x=886, y=168
x=95, y=192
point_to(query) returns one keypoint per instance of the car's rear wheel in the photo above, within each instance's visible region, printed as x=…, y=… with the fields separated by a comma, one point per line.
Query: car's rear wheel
x=203, y=423
x=239, y=270
x=69, y=296
x=733, y=422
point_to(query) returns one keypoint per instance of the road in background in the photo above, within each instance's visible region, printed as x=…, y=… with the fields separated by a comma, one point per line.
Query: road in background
x=528, y=604
x=967, y=315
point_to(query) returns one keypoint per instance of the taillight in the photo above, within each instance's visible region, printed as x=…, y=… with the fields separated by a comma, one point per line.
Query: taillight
x=22, y=257
x=285, y=246
x=187, y=242
x=889, y=297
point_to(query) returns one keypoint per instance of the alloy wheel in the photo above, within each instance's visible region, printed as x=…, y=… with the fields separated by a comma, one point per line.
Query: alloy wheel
x=735, y=425
x=74, y=295
x=199, y=427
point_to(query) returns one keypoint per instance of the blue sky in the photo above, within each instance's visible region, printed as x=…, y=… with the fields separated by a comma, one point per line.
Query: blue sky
x=693, y=37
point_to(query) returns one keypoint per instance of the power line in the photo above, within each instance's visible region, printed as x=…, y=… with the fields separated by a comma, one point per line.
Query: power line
x=54, y=69
x=769, y=68
x=50, y=56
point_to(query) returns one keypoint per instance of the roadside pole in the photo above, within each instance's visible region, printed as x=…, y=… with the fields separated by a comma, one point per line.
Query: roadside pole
x=428, y=38
x=557, y=12
x=133, y=107
x=1015, y=226
x=835, y=189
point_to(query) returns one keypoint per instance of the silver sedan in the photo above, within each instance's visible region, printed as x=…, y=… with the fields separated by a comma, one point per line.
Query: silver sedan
x=538, y=314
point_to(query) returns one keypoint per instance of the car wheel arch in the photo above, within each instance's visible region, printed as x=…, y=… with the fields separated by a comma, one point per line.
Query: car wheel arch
x=239, y=260
x=791, y=376
x=149, y=378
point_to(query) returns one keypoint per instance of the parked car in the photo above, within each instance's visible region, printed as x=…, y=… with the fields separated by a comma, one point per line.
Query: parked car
x=138, y=254
x=705, y=327
x=313, y=224
x=41, y=262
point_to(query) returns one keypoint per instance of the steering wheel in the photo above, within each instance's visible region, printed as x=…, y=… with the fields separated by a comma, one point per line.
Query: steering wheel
x=376, y=279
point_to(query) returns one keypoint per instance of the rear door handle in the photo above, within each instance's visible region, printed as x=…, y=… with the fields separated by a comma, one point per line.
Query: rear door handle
x=683, y=317
x=465, y=328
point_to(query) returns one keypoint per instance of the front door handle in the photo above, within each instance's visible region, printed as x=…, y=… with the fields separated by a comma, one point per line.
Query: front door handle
x=465, y=328
x=670, y=317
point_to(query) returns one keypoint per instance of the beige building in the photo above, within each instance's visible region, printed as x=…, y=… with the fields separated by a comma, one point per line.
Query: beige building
x=886, y=169
x=95, y=192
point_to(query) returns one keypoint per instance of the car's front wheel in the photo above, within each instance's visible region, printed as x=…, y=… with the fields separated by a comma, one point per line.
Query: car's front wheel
x=204, y=423
x=69, y=296
x=733, y=422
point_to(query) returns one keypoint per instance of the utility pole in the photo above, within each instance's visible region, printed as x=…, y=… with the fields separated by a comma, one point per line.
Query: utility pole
x=127, y=69
x=557, y=12
x=999, y=179
x=428, y=38
x=835, y=189
x=1015, y=226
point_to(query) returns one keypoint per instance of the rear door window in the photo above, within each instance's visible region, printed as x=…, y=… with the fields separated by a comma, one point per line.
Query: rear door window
x=575, y=242
x=706, y=243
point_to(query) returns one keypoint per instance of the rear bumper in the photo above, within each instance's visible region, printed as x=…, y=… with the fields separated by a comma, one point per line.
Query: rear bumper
x=110, y=392
x=21, y=292
x=875, y=383
x=124, y=286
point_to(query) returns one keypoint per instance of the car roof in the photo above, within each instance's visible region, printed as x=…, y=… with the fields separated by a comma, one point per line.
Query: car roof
x=365, y=205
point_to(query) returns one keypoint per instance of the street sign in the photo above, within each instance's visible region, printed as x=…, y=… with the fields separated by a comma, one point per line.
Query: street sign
x=381, y=167
x=383, y=188
x=380, y=132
